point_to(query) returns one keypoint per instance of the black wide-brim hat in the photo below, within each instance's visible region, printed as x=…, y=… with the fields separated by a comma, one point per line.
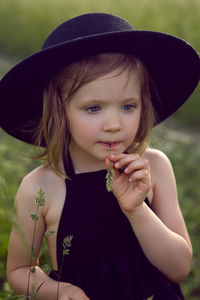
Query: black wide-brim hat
x=173, y=65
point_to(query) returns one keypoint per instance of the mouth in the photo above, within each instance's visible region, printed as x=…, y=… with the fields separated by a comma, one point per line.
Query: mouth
x=109, y=145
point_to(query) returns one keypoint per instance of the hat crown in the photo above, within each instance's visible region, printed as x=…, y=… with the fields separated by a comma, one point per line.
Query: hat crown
x=86, y=25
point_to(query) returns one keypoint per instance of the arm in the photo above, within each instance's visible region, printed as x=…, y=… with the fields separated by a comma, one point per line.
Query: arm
x=19, y=250
x=161, y=233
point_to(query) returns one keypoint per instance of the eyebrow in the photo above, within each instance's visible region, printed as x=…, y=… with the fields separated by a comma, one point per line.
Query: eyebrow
x=98, y=100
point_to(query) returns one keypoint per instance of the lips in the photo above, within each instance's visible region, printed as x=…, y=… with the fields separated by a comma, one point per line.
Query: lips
x=109, y=145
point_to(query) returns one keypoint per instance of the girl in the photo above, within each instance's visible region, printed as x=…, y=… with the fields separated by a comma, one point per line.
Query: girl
x=91, y=97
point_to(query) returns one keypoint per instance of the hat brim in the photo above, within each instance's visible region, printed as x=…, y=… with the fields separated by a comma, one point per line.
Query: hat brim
x=172, y=63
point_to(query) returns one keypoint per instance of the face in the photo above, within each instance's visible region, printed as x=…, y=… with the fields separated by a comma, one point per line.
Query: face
x=104, y=117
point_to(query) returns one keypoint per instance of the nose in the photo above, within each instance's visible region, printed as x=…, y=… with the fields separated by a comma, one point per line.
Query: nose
x=112, y=123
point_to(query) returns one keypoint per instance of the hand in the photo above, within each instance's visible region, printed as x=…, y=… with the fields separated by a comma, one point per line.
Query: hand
x=131, y=186
x=69, y=291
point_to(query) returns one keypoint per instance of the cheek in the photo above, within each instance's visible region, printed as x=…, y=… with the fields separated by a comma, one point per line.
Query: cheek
x=83, y=129
x=130, y=134
x=132, y=125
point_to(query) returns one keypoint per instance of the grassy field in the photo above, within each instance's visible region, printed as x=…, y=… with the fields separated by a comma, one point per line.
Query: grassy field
x=24, y=24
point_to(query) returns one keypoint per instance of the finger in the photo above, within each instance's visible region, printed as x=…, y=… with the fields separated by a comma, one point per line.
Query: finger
x=108, y=162
x=79, y=296
x=116, y=157
x=76, y=293
x=141, y=175
x=137, y=165
x=124, y=161
x=121, y=159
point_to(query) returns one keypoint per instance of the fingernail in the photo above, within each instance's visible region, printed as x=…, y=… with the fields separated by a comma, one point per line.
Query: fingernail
x=117, y=165
x=126, y=170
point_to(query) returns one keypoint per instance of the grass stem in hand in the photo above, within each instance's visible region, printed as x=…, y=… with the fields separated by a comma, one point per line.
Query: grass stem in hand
x=109, y=176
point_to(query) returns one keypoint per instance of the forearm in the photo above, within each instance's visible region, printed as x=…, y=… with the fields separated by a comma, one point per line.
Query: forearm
x=18, y=280
x=165, y=249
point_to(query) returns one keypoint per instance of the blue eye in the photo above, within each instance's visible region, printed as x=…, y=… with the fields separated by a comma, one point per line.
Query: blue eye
x=128, y=107
x=93, y=109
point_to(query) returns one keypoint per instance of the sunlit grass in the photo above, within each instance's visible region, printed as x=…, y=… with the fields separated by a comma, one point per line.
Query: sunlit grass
x=24, y=24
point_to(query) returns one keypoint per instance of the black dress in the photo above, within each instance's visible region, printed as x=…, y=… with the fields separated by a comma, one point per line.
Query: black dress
x=105, y=259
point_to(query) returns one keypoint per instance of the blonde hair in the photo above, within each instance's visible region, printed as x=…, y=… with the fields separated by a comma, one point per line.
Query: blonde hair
x=53, y=129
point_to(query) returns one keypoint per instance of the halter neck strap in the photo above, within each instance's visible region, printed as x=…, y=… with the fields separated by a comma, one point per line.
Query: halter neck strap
x=68, y=165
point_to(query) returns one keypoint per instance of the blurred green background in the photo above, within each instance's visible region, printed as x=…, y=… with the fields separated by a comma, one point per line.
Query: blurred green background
x=24, y=24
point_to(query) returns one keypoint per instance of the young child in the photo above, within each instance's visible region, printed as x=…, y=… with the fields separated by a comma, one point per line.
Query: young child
x=91, y=97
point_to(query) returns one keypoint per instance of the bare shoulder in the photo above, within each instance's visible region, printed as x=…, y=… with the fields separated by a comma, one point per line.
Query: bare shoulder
x=160, y=164
x=163, y=181
x=40, y=178
x=35, y=180
x=155, y=156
